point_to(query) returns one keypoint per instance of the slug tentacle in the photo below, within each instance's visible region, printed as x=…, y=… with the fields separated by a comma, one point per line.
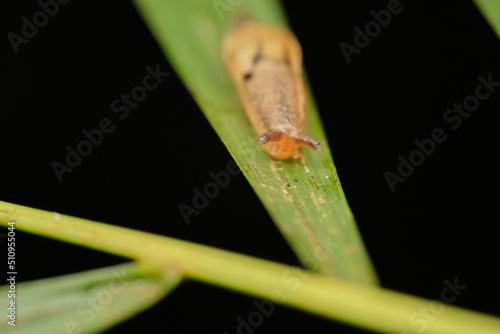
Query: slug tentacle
x=271, y=135
x=303, y=140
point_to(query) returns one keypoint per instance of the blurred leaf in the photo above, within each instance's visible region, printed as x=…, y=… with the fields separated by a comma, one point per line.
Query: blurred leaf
x=86, y=302
x=491, y=12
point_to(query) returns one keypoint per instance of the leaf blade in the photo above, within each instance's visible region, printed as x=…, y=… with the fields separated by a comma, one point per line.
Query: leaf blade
x=90, y=301
x=491, y=13
x=306, y=202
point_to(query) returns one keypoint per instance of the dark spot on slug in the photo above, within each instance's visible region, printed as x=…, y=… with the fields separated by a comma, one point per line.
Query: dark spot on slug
x=257, y=57
x=247, y=75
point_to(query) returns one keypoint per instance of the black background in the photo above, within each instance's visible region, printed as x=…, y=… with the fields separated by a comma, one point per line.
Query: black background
x=439, y=224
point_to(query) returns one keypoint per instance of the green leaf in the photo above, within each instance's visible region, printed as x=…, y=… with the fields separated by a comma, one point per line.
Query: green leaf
x=306, y=201
x=86, y=302
x=491, y=12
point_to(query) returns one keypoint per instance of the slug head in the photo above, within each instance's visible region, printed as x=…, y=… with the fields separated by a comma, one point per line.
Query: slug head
x=283, y=145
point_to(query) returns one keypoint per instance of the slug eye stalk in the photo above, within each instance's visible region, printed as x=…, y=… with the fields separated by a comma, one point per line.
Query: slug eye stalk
x=303, y=140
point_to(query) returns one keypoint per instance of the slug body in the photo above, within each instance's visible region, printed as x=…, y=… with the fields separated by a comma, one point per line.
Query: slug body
x=265, y=64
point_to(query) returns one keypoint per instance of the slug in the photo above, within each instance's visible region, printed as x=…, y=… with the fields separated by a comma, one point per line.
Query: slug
x=265, y=64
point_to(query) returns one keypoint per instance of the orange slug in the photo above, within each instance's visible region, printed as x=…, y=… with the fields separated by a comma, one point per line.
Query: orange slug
x=265, y=64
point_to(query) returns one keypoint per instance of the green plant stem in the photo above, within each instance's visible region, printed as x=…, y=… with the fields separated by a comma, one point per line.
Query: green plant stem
x=366, y=306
